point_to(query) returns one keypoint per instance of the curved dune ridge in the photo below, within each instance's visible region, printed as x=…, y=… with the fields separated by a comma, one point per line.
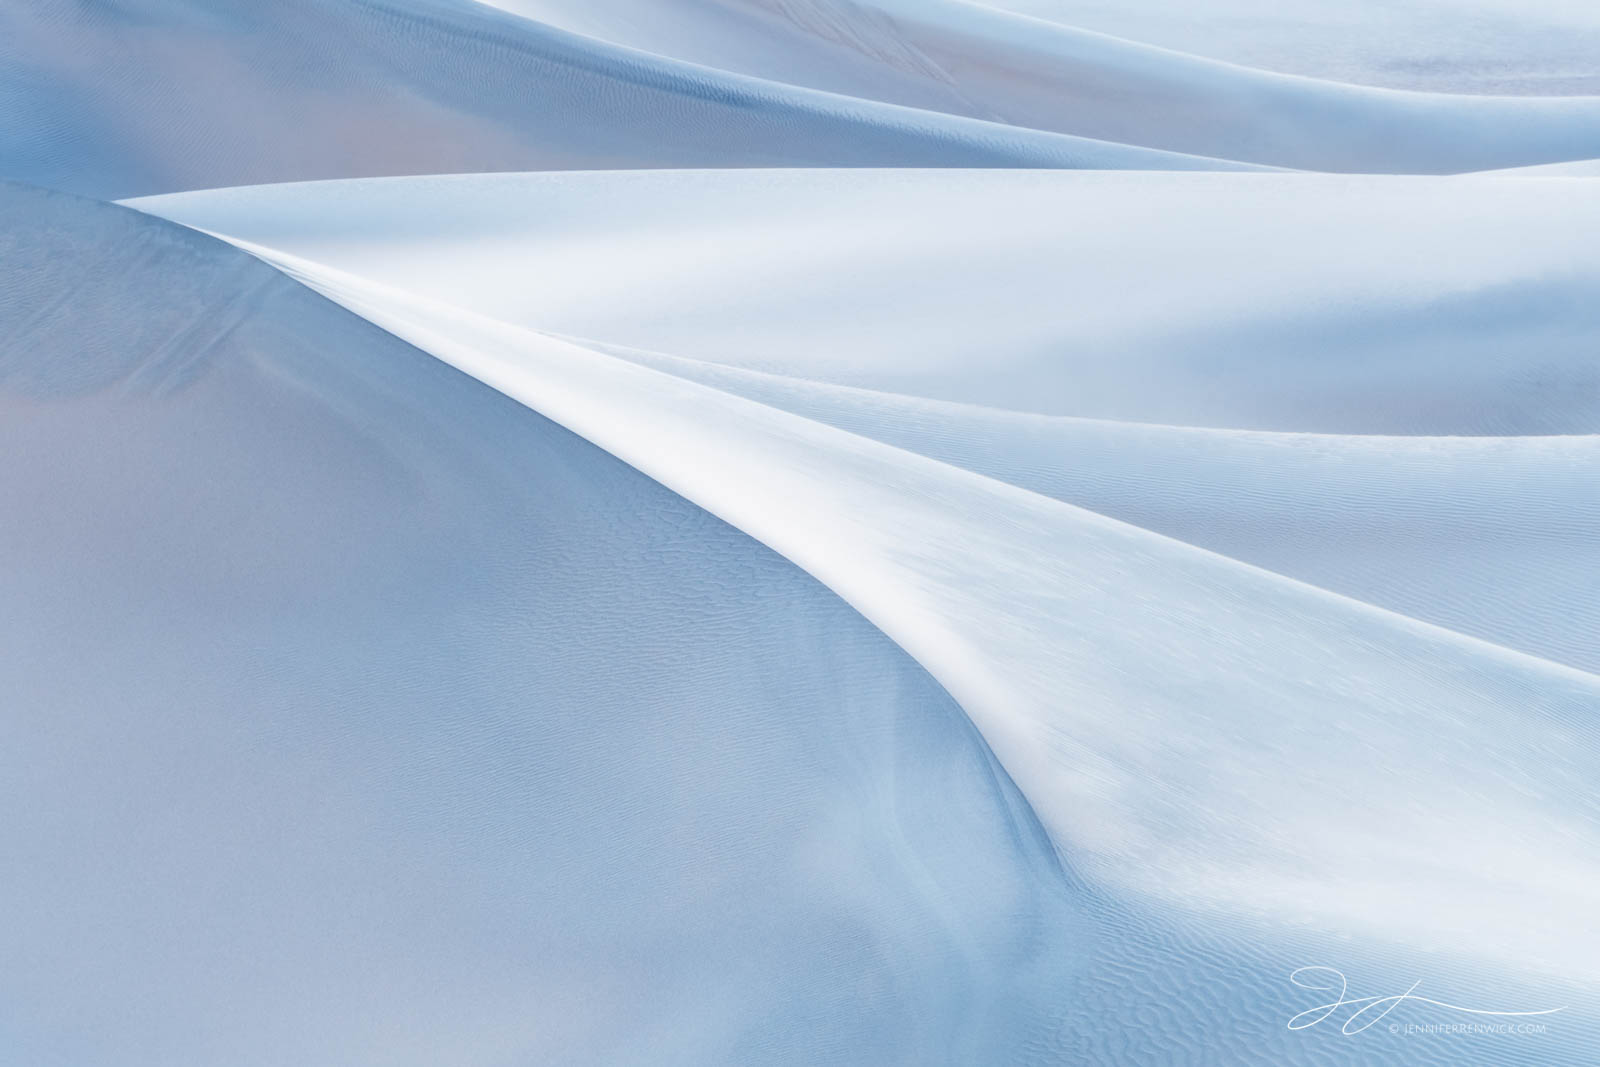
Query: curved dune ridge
x=347, y=754
x=113, y=102
x=1047, y=622
x=727, y=277
x=798, y=531
x=406, y=685
x=135, y=97
x=1465, y=46
x=973, y=59
x=1433, y=527
x=1276, y=302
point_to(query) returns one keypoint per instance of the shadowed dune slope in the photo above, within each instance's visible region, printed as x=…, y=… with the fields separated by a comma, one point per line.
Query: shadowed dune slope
x=975, y=59
x=1206, y=741
x=357, y=714
x=133, y=97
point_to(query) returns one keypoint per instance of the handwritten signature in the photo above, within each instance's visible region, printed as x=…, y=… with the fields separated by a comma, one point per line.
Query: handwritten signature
x=1367, y=1011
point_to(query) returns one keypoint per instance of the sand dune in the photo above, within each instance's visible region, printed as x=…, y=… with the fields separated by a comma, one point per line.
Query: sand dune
x=1490, y=536
x=1130, y=684
x=1272, y=302
x=130, y=98
x=351, y=711
x=114, y=101
x=1461, y=46
x=975, y=59
x=799, y=531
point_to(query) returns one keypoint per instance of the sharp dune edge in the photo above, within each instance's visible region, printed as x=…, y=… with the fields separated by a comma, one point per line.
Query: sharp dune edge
x=406, y=721
x=152, y=103
x=974, y=59
x=990, y=587
x=1432, y=526
x=885, y=532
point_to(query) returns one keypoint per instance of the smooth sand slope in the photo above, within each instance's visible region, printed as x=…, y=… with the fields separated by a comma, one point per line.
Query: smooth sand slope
x=1273, y=302
x=1461, y=46
x=357, y=714
x=1164, y=298
x=1496, y=537
x=975, y=59
x=364, y=714
x=814, y=531
x=1218, y=744
x=134, y=96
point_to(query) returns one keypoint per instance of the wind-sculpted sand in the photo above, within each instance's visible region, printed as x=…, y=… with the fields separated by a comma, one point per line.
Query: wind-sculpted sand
x=796, y=531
